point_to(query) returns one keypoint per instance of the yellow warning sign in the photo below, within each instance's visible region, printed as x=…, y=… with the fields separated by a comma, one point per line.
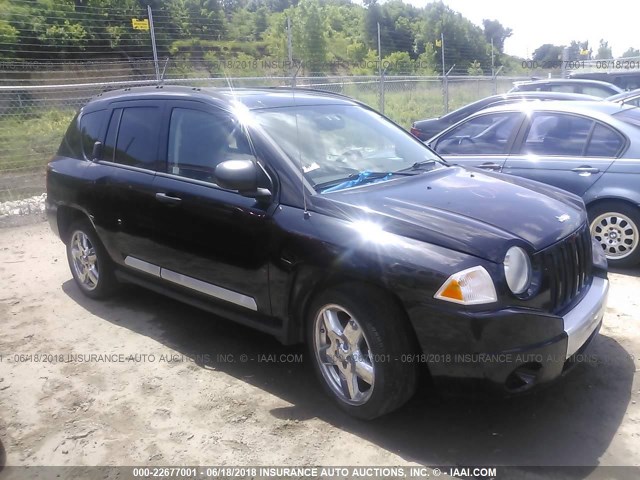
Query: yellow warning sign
x=140, y=24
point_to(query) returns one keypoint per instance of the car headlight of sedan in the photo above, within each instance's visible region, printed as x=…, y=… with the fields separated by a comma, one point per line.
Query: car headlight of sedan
x=517, y=270
x=472, y=286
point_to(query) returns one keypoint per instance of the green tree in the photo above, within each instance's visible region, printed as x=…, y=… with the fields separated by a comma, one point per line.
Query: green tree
x=578, y=51
x=631, y=52
x=261, y=21
x=464, y=42
x=493, y=29
x=398, y=63
x=8, y=38
x=308, y=33
x=547, y=53
x=475, y=68
x=427, y=61
x=604, y=50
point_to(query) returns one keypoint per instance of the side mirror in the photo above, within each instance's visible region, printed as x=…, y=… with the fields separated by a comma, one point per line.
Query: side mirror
x=97, y=151
x=241, y=175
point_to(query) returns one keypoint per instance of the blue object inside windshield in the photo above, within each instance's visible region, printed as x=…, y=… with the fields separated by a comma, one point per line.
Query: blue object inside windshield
x=363, y=177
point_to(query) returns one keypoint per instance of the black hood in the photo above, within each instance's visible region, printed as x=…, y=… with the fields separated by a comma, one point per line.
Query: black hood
x=471, y=211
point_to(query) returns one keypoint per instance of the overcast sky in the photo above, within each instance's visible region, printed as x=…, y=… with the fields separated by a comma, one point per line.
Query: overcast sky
x=535, y=22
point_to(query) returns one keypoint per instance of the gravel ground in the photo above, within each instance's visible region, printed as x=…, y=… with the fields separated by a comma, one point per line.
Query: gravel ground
x=166, y=391
x=22, y=212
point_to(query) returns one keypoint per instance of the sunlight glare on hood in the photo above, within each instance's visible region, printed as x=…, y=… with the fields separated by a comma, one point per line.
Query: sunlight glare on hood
x=373, y=232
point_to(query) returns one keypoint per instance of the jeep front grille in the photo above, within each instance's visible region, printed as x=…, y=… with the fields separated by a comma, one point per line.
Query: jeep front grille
x=567, y=265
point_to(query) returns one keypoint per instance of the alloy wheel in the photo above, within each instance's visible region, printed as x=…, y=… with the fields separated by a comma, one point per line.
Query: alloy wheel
x=84, y=261
x=344, y=355
x=616, y=233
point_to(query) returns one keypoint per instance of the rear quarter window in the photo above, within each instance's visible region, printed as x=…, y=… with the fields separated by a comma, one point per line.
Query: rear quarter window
x=91, y=127
x=605, y=142
x=84, y=130
x=71, y=145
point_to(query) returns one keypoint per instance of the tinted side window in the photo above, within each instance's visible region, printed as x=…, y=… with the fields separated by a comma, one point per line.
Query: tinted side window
x=562, y=88
x=112, y=133
x=483, y=135
x=71, y=145
x=557, y=134
x=635, y=102
x=199, y=141
x=91, y=130
x=605, y=142
x=137, y=138
x=596, y=91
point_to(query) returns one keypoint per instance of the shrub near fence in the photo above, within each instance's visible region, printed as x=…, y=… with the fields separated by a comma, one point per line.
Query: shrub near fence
x=33, y=118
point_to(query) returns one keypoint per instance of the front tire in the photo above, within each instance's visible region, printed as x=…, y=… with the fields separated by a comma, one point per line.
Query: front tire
x=616, y=228
x=358, y=339
x=89, y=262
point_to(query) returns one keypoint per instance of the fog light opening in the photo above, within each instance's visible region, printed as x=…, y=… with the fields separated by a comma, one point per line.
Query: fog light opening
x=524, y=377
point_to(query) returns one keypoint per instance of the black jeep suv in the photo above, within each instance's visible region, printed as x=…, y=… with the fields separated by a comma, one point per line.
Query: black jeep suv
x=315, y=219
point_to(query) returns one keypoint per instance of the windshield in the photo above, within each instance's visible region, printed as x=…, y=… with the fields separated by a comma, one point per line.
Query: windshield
x=340, y=146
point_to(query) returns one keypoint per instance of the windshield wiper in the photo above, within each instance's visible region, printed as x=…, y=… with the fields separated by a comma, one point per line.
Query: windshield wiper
x=356, y=179
x=421, y=164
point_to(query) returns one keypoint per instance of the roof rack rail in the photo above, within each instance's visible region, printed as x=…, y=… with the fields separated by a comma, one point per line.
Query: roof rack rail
x=311, y=89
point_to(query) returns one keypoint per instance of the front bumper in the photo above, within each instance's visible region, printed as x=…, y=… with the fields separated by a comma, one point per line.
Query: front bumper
x=581, y=321
x=511, y=350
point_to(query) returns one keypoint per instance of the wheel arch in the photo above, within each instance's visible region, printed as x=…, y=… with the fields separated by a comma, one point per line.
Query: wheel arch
x=600, y=200
x=310, y=282
x=67, y=216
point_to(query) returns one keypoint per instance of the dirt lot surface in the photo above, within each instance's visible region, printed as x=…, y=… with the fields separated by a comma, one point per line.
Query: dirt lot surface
x=161, y=394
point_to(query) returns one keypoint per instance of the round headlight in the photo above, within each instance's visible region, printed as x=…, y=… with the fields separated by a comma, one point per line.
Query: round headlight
x=517, y=270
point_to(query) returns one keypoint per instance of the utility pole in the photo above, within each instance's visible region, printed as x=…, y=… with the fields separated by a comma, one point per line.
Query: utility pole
x=380, y=71
x=290, y=51
x=492, y=62
x=563, y=64
x=153, y=43
x=442, y=49
x=493, y=70
x=445, y=86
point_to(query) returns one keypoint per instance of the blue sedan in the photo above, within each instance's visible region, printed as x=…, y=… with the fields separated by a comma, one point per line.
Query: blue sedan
x=591, y=149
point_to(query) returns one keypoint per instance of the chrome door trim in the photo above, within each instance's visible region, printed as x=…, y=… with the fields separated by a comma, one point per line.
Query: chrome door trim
x=193, y=283
x=143, y=266
x=209, y=289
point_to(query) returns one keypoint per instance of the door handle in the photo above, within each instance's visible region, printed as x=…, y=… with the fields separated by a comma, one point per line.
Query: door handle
x=585, y=170
x=490, y=166
x=168, y=199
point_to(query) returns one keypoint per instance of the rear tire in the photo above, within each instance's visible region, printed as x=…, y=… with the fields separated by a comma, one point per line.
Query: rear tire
x=616, y=227
x=90, y=265
x=360, y=343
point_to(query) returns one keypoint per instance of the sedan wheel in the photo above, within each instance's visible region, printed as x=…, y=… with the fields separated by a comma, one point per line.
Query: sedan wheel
x=616, y=228
x=343, y=353
x=616, y=234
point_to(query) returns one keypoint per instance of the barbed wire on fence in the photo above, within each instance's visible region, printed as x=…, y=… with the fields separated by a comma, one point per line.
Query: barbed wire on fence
x=40, y=95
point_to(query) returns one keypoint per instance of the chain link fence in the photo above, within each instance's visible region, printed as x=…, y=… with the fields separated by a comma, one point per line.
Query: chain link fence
x=35, y=109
